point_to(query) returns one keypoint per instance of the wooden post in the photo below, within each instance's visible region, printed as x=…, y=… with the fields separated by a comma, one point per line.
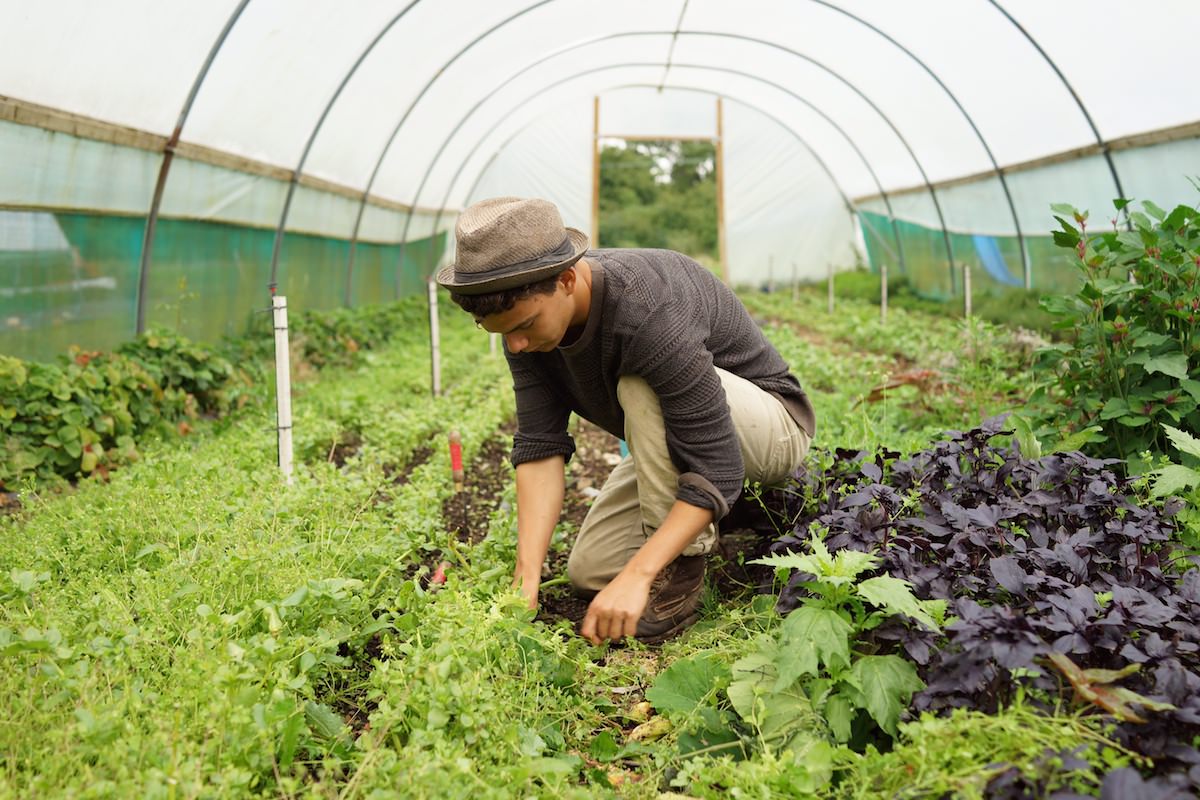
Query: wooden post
x=722, y=252
x=435, y=346
x=967, y=291
x=596, y=171
x=283, y=387
x=829, y=304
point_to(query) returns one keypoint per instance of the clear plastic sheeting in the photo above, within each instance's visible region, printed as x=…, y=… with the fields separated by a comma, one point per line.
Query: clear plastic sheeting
x=785, y=219
x=550, y=157
x=1000, y=107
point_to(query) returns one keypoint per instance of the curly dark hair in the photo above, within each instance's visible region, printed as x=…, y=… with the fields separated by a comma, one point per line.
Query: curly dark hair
x=485, y=305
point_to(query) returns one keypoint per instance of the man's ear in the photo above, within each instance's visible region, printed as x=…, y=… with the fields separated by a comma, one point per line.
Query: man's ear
x=567, y=279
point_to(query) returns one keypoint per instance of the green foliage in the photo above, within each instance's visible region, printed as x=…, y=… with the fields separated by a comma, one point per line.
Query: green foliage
x=1182, y=479
x=1014, y=307
x=88, y=411
x=976, y=369
x=817, y=640
x=193, y=628
x=1128, y=370
x=83, y=413
x=659, y=194
x=800, y=690
x=960, y=754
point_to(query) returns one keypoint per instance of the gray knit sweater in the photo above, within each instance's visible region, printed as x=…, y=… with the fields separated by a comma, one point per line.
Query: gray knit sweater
x=659, y=315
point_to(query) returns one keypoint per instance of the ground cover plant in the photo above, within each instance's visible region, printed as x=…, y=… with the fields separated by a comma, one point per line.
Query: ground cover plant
x=192, y=628
x=1057, y=577
x=88, y=411
x=1011, y=307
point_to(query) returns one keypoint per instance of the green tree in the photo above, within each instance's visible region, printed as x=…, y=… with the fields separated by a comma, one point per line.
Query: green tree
x=660, y=194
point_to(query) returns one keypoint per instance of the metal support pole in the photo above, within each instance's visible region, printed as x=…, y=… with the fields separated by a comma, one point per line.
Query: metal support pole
x=283, y=387
x=165, y=169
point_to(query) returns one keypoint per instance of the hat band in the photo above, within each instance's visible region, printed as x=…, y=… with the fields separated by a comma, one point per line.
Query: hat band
x=560, y=253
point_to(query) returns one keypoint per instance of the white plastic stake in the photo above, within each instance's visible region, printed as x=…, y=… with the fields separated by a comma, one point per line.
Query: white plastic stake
x=883, y=298
x=967, y=291
x=493, y=338
x=283, y=387
x=435, y=346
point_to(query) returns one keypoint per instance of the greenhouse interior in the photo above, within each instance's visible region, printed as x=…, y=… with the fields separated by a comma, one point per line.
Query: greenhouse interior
x=261, y=477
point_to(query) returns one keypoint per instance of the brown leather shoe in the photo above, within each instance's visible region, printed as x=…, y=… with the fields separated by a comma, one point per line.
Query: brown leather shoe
x=674, y=598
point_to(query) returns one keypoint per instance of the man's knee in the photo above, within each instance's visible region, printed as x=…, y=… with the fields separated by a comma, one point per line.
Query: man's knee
x=582, y=573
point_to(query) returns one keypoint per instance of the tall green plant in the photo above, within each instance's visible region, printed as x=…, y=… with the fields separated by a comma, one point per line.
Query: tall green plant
x=822, y=644
x=1129, y=369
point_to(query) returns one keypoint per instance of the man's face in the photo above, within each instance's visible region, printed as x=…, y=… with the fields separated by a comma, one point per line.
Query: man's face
x=534, y=325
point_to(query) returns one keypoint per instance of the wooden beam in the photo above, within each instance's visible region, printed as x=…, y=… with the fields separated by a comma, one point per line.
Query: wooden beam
x=1148, y=139
x=22, y=112
x=722, y=252
x=596, y=171
x=644, y=138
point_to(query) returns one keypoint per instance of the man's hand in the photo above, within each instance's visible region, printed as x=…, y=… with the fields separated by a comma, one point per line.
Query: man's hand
x=615, y=611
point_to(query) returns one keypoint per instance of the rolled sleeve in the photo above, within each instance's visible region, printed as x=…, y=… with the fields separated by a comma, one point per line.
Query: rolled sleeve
x=541, y=416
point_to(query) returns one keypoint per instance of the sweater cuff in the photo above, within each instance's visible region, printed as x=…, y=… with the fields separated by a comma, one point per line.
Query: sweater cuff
x=536, y=446
x=697, y=490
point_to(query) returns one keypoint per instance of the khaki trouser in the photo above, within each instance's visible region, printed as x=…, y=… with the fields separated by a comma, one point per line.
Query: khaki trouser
x=641, y=489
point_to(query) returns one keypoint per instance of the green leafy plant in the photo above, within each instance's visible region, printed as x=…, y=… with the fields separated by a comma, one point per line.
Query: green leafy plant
x=1128, y=370
x=1183, y=481
x=821, y=645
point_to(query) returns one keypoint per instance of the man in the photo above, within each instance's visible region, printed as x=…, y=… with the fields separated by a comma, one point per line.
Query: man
x=648, y=345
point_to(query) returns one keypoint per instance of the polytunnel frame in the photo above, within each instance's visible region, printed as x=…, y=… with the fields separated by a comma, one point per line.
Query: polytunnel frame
x=851, y=208
x=594, y=70
x=739, y=37
x=164, y=169
x=1101, y=142
x=312, y=138
x=362, y=204
x=727, y=70
x=172, y=142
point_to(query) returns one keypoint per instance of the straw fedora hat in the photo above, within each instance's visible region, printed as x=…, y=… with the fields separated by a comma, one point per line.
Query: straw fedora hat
x=506, y=242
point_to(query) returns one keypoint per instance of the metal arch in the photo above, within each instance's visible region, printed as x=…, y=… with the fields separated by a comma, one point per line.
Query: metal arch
x=970, y=121
x=674, y=40
x=849, y=140
x=904, y=142
x=1100, y=140
x=362, y=204
x=846, y=201
x=312, y=137
x=165, y=168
